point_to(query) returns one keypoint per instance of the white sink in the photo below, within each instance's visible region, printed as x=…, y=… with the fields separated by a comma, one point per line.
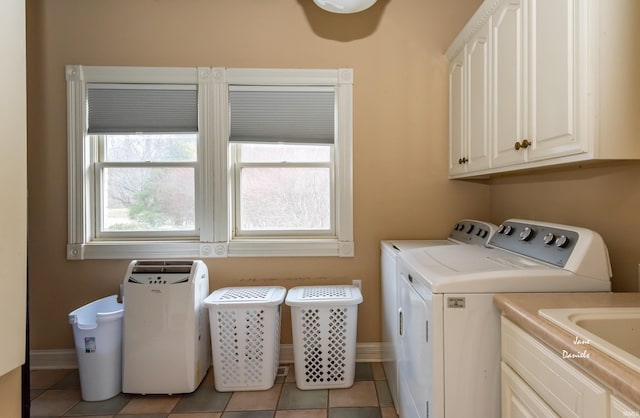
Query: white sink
x=614, y=331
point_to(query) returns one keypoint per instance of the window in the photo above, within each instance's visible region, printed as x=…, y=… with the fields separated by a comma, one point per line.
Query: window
x=145, y=185
x=282, y=139
x=209, y=162
x=284, y=190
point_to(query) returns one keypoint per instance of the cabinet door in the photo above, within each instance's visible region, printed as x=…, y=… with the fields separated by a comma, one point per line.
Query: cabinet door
x=620, y=409
x=456, y=115
x=13, y=208
x=477, y=94
x=507, y=81
x=554, y=28
x=519, y=400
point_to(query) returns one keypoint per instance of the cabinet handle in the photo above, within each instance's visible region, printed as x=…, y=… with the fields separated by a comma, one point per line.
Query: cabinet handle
x=463, y=160
x=524, y=144
x=400, y=322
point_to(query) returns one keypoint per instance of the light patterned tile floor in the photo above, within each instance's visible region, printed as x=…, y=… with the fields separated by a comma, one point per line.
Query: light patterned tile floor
x=56, y=393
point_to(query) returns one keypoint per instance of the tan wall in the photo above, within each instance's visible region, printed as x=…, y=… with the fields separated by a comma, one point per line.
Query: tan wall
x=603, y=198
x=400, y=127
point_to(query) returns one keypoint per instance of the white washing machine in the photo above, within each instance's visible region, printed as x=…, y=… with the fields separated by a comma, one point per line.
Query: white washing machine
x=449, y=360
x=465, y=231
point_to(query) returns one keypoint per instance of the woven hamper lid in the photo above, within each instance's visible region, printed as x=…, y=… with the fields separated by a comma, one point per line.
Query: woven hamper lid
x=324, y=296
x=246, y=296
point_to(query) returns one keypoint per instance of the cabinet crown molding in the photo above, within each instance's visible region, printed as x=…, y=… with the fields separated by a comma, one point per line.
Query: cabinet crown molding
x=479, y=18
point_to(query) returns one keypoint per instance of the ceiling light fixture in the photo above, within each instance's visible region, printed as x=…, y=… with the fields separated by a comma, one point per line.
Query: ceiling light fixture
x=344, y=6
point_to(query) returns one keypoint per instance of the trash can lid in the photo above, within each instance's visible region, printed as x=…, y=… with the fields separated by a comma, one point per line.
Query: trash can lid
x=246, y=296
x=324, y=296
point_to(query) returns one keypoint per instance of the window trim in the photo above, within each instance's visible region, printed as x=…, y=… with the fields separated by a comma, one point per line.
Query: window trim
x=342, y=80
x=215, y=206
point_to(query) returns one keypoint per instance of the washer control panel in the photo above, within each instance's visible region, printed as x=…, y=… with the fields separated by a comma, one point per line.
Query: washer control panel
x=546, y=243
x=470, y=231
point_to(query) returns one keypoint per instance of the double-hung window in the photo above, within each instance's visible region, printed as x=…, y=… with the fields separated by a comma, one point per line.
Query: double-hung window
x=282, y=141
x=145, y=186
x=209, y=162
x=144, y=147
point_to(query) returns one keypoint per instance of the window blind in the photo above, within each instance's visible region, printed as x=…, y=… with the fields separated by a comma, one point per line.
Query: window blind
x=142, y=108
x=282, y=114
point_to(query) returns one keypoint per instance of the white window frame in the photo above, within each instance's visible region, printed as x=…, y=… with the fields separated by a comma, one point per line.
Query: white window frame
x=238, y=233
x=214, y=176
x=99, y=165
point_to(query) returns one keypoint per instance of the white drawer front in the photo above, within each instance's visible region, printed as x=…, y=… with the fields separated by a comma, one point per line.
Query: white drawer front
x=562, y=386
x=519, y=400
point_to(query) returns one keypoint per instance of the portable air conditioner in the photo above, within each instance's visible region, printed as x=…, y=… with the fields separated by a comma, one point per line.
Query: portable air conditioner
x=166, y=347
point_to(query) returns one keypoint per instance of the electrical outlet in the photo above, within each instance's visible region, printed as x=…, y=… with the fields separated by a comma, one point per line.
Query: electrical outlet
x=358, y=283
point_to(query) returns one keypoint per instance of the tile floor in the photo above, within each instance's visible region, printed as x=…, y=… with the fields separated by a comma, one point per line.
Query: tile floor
x=56, y=393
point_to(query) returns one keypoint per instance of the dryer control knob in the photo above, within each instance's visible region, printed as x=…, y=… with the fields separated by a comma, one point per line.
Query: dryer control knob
x=470, y=228
x=508, y=230
x=526, y=234
x=500, y=229
x=562, y=241
x=548, y=239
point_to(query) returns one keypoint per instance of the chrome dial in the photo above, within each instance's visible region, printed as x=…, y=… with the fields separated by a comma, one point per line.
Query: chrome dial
x=548, y=239
x=562, y=241
x=526, y=234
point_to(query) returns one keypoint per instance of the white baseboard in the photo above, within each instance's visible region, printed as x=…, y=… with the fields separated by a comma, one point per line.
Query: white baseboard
x=66, y=358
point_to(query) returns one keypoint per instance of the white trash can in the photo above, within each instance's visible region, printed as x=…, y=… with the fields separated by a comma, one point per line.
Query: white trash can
x=245, y=336
x=324, y=325
x=97, y=332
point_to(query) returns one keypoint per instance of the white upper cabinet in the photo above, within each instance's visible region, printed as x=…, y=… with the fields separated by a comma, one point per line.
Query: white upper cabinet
x=555, y=101
x=544, y=82
x=457, y=148
x=508, y=77
x=469, y=105
x=477, y=62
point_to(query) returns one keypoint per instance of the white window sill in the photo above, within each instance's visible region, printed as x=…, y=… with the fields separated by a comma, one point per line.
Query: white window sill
x=186, y=249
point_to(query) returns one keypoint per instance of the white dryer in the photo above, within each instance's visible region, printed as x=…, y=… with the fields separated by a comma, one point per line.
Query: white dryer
x=465, y=231
x=449, y=360
x=166, y=347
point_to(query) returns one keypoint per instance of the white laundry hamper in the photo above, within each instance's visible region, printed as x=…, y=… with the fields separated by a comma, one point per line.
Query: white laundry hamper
x=324, y=326
x=245, y=336
x=97, y=332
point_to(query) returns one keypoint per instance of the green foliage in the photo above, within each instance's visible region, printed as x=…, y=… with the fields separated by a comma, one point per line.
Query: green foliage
x=145, y=210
